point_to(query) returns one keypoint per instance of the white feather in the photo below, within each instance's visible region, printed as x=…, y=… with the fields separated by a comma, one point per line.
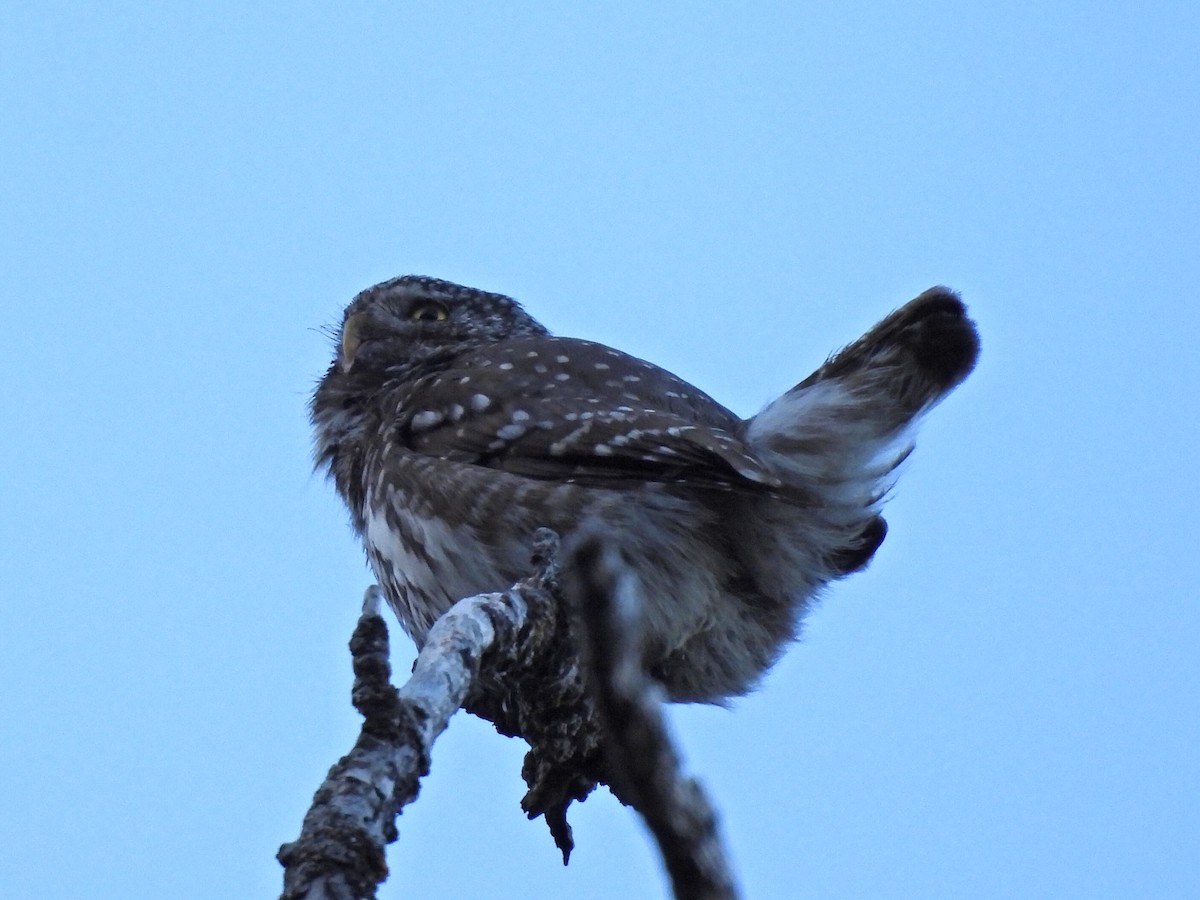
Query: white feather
x=825, y=439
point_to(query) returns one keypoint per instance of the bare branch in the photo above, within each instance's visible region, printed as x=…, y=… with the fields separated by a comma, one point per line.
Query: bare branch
x=512, y=659
x=340, y=852
x=641, y=764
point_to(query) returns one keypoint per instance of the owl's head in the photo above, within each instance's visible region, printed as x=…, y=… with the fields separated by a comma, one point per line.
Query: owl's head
x=412, y=320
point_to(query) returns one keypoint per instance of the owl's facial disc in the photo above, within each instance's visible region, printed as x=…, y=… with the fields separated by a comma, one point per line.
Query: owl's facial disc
x=381, y=338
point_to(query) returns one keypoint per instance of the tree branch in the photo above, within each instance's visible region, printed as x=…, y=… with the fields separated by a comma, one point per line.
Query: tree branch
x=641, y=764
x=512, y=659
x=340, y=852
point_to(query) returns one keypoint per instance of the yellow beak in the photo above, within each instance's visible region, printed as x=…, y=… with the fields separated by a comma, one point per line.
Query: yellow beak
x=350, y=341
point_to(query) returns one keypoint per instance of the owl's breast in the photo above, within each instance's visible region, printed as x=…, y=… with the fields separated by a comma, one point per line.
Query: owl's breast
x=426, y=563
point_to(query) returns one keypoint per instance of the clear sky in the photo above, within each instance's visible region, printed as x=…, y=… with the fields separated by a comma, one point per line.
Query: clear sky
x=1005, y=705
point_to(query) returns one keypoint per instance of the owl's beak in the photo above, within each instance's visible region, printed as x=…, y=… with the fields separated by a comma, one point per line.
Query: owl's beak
x=350, y=341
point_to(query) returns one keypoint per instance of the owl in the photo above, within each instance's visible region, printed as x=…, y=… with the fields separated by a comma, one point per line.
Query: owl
x=454, y=425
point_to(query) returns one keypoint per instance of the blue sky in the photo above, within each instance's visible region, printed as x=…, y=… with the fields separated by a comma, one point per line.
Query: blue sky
x=1004, y=705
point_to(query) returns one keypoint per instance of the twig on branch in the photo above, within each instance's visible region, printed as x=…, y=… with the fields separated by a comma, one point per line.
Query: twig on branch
x=641, y=765
x=340, y=852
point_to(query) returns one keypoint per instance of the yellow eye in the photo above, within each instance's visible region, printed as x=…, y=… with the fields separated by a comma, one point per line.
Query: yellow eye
x=428, y=312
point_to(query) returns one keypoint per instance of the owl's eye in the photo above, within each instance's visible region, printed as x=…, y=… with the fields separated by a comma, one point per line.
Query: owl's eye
x=428, y=312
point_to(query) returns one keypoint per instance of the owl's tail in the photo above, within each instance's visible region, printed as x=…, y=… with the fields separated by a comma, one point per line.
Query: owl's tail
x=839, y=435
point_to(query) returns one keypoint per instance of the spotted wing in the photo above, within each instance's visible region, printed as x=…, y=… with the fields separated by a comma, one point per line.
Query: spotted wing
x=571, y=410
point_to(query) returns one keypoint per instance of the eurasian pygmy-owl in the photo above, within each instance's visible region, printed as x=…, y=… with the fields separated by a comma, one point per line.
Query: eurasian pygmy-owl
x=454, y=425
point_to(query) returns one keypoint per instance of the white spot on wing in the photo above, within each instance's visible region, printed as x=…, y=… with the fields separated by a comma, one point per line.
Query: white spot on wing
x=426, y=419
x=509, y=432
